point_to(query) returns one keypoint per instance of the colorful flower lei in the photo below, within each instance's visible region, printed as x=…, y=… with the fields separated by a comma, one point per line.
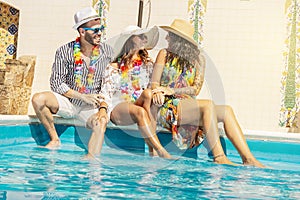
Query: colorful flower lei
x=78, y=71
x=135, y=80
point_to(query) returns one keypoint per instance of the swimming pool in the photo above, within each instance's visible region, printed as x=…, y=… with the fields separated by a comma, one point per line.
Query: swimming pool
x=125, y=172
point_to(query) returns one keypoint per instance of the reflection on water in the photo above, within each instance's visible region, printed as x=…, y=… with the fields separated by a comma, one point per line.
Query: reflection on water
x=28, y=172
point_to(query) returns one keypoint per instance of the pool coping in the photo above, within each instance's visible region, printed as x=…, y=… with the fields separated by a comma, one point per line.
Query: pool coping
x=251, y=134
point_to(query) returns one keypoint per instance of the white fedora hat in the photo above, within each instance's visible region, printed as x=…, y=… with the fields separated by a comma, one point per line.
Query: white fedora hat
x=117, y=42
x=85, y=15
x=183, y=29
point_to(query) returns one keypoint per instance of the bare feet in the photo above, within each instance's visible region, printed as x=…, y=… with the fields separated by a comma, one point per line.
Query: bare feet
x=253, y=162
x=53, y=144
x=164, y=154
x=89, y=156
x=153, y=153
x=222, y=159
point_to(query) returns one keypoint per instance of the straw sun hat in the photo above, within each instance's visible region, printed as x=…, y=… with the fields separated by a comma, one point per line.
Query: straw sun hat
x=85, y=15
x=118, y=41
x=183, y=29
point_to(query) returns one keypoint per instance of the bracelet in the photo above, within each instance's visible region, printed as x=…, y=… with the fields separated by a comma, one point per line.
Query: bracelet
x=105, y=108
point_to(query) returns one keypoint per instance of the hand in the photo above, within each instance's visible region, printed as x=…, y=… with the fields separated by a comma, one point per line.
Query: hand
x=158, y=98
x=92, y=99
x=165, y=90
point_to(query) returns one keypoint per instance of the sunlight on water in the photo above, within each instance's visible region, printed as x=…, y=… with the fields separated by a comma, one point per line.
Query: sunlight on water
x=29, y=172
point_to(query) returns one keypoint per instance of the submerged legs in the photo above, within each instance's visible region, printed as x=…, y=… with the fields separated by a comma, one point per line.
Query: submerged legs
x=234, y=133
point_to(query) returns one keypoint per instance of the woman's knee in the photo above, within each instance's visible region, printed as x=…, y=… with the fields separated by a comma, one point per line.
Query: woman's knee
x=102, y=123
x=96, y=123
x=228, y=109
x=147, y=93
x=140, y=113
x=207, y=105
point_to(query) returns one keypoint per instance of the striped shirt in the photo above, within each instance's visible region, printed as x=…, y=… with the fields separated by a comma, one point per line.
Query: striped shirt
x=62, y=77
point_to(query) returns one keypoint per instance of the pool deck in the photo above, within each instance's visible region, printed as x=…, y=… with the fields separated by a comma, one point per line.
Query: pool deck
x=249, y=134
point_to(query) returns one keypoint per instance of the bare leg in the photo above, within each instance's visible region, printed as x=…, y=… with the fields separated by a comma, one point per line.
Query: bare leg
x=45, y=104
x=98, y=126
x=207, y=118
x=234, y=133
x=145, y=100
x=154, y=110
x=152, y=140
x=126, y=113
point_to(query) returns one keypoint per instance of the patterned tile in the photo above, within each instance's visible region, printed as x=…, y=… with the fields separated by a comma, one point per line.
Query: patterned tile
x=9, y=23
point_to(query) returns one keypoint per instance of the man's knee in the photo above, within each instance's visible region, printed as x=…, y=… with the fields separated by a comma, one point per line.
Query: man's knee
x=44, y=99
x=38, y=100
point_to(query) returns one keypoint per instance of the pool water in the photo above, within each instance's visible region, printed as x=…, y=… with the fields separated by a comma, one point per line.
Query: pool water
x=30, y=172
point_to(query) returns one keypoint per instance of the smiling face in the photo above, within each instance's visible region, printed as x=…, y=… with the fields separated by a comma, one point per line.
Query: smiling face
x=139, y=41
x=92, y=31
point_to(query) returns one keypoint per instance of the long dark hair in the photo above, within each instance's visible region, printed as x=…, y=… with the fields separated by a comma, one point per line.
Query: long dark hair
x=186, y=52
x=126, y=55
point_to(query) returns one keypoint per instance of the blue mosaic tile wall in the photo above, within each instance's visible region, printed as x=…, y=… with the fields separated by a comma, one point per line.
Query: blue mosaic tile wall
x=9, y=23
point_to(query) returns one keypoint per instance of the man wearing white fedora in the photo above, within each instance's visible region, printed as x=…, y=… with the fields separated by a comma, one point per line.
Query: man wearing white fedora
x=76, y=82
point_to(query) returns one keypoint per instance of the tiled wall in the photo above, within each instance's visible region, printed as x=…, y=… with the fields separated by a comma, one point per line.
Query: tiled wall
x=9, y=22
x=243, y=38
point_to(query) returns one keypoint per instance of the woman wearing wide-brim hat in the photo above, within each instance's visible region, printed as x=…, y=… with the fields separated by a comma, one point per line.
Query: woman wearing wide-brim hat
x=127, y=80
x=177, y=79
x=118, y=41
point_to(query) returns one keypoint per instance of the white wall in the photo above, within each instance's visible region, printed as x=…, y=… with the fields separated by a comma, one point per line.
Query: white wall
x=243, y=38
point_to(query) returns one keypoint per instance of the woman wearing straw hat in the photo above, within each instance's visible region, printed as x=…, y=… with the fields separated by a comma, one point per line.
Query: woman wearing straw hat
x=127, y=80
x=176, y=80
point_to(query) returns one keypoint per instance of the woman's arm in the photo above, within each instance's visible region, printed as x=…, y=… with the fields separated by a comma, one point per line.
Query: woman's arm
x=158, y=94
x=190, y=90
x=158, y=68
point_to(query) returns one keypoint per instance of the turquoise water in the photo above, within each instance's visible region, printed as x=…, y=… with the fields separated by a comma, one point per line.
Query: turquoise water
x=29, y=172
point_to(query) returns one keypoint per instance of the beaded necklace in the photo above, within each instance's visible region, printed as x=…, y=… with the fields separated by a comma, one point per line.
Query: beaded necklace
x=78, y=71
x=135, y=80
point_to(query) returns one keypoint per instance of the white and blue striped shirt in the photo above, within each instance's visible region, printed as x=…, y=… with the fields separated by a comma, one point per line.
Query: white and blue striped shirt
x=62, y=77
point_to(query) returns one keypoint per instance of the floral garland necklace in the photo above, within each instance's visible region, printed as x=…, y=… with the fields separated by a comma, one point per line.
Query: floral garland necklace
x=78, y=71
x=135, y=80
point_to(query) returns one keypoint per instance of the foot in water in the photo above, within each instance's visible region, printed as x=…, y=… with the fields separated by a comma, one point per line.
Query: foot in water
x=253, y=162
x=222, y=159
x=164, y=154
x=153, y=153
x=90, y=157
x=53, y=144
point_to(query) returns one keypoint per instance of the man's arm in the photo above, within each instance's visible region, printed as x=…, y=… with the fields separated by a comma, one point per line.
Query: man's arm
x=59, y=74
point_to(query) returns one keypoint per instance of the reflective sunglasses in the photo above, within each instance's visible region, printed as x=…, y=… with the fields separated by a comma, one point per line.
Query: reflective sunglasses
x=96, y=30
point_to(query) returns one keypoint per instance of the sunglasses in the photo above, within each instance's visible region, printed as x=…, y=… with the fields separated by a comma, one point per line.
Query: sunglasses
x=96, y=30
x=143, y=37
